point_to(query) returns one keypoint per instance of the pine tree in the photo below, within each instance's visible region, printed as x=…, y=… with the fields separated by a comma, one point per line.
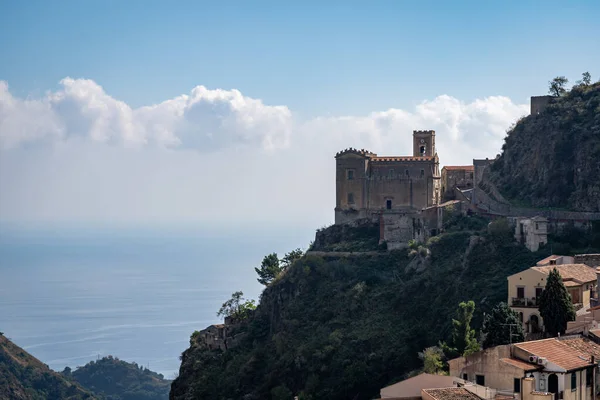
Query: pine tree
x=555, y=305
x=501, y=326
x=464, y=341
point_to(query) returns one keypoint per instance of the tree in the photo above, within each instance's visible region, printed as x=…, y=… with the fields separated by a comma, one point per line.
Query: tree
x=237, y=307
x=501, y=326
x=556, y=87
x=290, y=258
x=464, y=341
x=586, y=78
x=555, y=305
x=269, y=269
x=432, y=359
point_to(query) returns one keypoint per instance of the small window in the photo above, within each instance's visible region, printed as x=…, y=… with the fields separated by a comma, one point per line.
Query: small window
x=465, y=377
x=406, y=172
x=471, y=175
x=538, y=292
x=537, y=226
x=480, y=380
x=422, y=173
x=517, y=385
x=589, y=376
x=391, y=173
x=388, y=204
x=350, y=174
x=520, y=292
x=573, y=381
x=350, y=198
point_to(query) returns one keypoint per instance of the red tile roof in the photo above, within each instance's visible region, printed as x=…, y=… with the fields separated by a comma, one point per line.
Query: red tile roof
x=525, y=366
x=451, y=394
x=579, y=273
x=557, y=352
x=584, y=345
x=400, y=158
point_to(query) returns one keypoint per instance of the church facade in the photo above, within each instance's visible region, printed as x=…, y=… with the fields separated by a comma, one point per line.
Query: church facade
x=369, y=185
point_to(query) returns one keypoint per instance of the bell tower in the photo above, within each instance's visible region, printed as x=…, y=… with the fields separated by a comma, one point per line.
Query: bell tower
x=423, y=143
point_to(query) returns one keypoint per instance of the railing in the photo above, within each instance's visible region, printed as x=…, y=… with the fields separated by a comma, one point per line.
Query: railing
x=524, y=302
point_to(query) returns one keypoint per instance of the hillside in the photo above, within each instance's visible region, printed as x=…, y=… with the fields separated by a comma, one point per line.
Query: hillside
x=553, y=159
x=342, y=328
x=23, y=376
x=113, y=379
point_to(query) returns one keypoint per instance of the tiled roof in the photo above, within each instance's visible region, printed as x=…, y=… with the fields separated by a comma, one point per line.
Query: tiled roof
x=580, y=273
x=401, y=158
x=557, y=352
x=459, y=167
x=571, y=283
x=451, y=394
x=525, y=366
x=583, y=345
x=595, y=332
x=547, y=260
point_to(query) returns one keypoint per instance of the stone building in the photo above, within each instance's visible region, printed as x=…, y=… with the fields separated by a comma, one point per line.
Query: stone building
x=368, y=185
x=539, y=103
x=532, y=232
x=460, y=177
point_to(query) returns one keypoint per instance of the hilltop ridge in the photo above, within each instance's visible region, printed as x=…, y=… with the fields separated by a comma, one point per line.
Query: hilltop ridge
x=23, y=376
x=552, y=159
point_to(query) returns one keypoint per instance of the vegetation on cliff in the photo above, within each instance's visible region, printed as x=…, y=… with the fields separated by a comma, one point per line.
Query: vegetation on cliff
x=113, y=379
x=343, y=327
x=23, y=376
x=552, y=159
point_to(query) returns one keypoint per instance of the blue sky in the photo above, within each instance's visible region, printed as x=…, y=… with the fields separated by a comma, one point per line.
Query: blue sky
x=110, y=110
x=339, y=57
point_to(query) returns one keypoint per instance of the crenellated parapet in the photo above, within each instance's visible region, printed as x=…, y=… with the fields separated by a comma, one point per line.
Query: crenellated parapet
x=351, y=150
x=426, y=132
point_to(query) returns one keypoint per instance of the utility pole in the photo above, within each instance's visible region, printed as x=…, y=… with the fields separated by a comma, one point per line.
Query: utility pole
x=510, y=330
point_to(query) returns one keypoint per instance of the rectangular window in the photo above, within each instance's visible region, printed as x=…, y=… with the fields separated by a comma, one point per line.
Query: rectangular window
x=589, y=376
x=520, y=292
x=391, y=174
x=406, y=172
x=573, y=381
x=388, y=204
x=538, y=292
x=517, y=385
x=350, y=174
x=350, y=198
x=465, y=377
x=422, y=173
x=480, y=380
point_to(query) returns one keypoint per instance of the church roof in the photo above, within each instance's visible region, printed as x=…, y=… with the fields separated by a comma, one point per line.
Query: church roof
x=401, y=158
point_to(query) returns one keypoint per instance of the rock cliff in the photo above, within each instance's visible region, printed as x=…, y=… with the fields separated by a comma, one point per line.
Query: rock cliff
x=552, y=159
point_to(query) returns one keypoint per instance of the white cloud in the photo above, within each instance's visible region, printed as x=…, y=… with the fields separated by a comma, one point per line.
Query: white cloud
x=208, y=156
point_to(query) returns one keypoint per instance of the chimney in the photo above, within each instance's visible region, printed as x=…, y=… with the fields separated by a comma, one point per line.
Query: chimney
x=527, y=386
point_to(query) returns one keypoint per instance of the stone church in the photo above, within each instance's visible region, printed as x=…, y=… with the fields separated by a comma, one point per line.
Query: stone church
x=368, y=185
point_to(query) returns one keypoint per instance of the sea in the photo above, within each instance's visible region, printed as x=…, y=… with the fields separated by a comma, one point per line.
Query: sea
x=69, y=295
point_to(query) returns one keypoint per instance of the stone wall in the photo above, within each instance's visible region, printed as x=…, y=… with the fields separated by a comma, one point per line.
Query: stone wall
x=592, y=260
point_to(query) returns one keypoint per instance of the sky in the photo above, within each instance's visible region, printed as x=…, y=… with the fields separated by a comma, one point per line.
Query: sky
x=229, y=113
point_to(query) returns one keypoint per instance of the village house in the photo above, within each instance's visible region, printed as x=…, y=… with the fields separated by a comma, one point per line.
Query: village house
x=526, y=287
x=531, y=232
x=556, y=368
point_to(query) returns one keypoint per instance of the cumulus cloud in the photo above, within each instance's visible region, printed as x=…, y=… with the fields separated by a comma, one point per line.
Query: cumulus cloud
x=186, y=159
x=204, y=119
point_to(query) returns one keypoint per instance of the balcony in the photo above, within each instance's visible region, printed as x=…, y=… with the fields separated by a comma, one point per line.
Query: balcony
x=524, y=302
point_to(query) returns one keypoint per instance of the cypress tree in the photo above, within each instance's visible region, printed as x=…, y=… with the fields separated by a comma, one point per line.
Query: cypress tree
x=555, y=305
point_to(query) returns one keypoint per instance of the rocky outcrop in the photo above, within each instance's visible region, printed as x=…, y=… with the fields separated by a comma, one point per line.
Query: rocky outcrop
x=552, y=159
